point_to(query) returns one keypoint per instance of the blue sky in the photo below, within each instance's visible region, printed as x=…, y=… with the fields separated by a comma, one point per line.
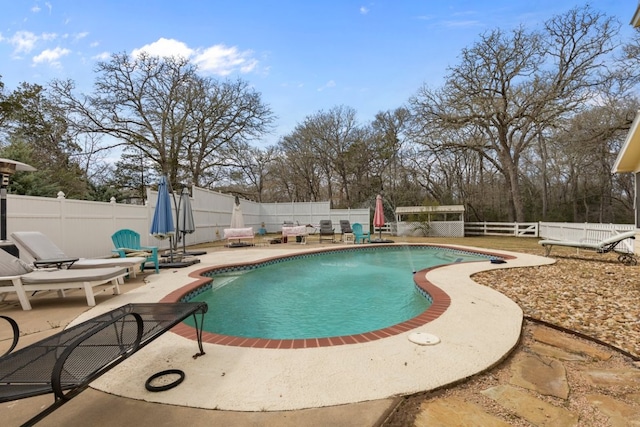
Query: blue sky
x=303, y=56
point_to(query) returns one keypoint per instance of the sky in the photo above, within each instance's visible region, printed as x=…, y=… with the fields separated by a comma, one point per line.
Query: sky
x=302, y=56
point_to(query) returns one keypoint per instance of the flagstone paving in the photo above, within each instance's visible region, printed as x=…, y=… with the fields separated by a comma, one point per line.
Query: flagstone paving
x=552, y=379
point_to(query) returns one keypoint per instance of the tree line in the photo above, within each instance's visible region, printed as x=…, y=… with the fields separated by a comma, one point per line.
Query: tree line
x=525, y=127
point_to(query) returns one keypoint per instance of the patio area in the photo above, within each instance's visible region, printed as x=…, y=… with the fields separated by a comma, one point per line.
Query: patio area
x=266, y=385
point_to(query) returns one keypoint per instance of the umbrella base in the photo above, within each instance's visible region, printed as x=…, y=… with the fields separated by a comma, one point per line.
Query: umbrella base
x=381, y=241
x=184, y=254
x=239, y=245
x=178, y=264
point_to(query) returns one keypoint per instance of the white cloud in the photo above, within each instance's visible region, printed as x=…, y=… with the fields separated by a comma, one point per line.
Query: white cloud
x=102, y=56
x=330, y=84
x=35, y=9
x=51, y=56
x=48, y=36
x=218, y=59
x=165, y=48
x=23, y=41
x=80, y=36
x=223, y=60
x=364, y=10
x=292, y=84
x=461, y=24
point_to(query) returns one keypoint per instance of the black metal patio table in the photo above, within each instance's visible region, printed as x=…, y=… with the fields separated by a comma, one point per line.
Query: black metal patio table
x=65, y=363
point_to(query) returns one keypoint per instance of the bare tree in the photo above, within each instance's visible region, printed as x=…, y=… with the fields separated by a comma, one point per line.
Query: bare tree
x=385, y=149
x=224, y=117
x=164, y=109
x=298, y=164
x=331, y=135
x=510, y=87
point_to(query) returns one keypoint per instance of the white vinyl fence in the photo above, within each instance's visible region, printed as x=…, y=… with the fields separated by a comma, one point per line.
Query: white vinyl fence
x=585, y=232
x=576, y=232
x=83, y=228
x=522, y=229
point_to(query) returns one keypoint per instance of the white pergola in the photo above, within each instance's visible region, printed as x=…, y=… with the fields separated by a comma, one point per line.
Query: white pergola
x=444, y=221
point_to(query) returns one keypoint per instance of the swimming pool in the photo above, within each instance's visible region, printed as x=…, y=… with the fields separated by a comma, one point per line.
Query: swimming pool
x=477, y=327
x=327, y=294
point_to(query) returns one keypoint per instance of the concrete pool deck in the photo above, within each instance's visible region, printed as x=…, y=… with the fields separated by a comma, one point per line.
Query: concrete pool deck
x=479, y=328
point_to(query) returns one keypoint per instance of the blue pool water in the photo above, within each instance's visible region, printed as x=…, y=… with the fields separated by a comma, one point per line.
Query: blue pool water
x=323, y=295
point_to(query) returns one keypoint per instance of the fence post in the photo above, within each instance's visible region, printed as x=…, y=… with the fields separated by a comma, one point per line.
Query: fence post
x=112, y=204
x=61, y=216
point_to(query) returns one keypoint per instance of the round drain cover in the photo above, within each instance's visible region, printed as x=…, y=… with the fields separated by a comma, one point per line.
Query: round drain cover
x=423, y=338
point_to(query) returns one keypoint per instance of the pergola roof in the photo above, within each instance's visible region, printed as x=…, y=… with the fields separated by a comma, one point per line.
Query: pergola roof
x=406, y=210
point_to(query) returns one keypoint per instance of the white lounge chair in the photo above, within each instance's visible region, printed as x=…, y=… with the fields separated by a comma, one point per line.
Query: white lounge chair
x=611, y=244
x=17, y=276
x=47, y=254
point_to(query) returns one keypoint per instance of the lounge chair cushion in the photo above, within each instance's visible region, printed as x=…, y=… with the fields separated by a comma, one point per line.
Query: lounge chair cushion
x=66, y=276
x=298, y=230
x=128, y=262
x=12, y=266
x=136, y=253
x=238, y=233
x=38, y=245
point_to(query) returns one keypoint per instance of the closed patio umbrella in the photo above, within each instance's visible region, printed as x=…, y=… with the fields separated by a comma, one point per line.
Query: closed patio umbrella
x=162, y=225
x=186, y=223
x=378, y=220
x=237, y=221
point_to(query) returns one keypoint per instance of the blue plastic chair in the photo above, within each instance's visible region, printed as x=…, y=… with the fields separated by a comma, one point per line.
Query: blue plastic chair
x=127, y=242
x=359, y=234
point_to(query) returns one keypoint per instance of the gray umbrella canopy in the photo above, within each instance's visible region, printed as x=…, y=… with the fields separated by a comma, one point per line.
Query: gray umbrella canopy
x=187, y=224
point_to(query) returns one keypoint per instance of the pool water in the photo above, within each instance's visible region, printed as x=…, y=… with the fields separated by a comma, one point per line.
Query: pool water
x=328, y=294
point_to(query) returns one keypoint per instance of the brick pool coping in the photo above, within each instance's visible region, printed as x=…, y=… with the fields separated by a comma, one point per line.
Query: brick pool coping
x=440, y=303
